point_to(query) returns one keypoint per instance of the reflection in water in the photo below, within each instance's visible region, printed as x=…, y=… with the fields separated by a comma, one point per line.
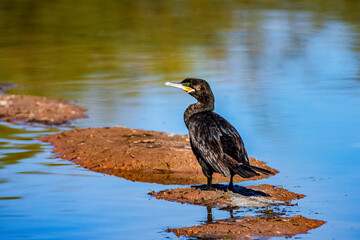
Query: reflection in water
x=209, y=218
x=285, y=73
x=183, y=178
x=209, y=214
x=151, y=41
x=15, y=157
x=115, y=65
x=16, y=145
x=9, y=198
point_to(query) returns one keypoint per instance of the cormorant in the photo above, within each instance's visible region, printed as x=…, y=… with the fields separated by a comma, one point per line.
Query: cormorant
x=216, y=144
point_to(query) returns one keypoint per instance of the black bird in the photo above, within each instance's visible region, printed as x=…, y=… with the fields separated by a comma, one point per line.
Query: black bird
x=216, y=144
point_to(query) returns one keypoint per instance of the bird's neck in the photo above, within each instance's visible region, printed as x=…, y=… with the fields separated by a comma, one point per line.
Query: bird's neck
x=198, y=107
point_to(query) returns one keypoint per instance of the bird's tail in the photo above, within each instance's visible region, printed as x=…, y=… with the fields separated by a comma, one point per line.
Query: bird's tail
x=245, y=171
x=258, y=169
x=248, y=171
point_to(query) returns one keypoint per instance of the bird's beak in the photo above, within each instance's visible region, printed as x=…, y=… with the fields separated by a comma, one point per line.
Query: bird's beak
x=179, y=85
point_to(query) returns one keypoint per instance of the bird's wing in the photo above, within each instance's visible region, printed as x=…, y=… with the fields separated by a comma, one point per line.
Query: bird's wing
x=234, y=149
x=205, y=139
x=231, y=140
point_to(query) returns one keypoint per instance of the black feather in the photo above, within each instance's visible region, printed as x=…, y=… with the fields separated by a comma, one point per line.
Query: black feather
x=216, y=144
x=260, y=170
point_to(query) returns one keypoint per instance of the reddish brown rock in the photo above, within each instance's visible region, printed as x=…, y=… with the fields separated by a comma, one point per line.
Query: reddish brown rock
x=251, y=196
x=136, y=155
x=33, y=109
x=250, y=227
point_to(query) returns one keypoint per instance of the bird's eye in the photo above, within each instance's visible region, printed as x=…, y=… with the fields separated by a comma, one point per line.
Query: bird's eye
x=186, y=84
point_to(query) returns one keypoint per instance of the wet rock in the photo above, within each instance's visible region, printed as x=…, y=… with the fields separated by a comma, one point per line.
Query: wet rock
x=250, y=228
x=41, y=110
x=266, y=197
x=251, y=196
x=136, y=155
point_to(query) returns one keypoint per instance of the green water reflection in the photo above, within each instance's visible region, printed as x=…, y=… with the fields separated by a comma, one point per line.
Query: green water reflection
x=45, y=45
x=10, y=198
x=18, y=143
x=13, y=158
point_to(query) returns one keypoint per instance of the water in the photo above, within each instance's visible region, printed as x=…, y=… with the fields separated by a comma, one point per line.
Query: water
x=285, y=74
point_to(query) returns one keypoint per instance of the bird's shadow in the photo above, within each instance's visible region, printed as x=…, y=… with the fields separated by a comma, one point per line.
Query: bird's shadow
x=237, y=189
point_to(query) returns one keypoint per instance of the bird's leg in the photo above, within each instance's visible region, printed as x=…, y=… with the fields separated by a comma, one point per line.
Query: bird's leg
x=209, y=214
x=209, y=180
x=231, y=214
x=231, y=184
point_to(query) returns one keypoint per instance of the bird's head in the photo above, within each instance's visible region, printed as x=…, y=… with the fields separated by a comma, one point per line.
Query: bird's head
x=198, y=88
